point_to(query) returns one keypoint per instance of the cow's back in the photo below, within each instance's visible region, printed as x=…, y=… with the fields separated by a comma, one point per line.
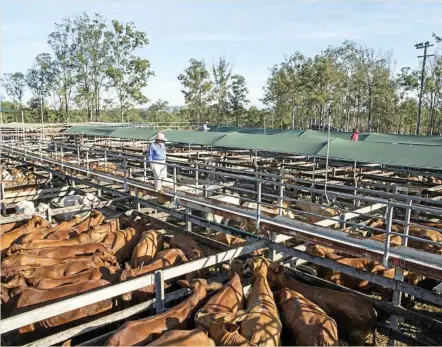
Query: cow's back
x=194, y=337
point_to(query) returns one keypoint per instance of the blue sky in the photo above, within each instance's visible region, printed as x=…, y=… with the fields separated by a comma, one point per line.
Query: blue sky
x=254, y=34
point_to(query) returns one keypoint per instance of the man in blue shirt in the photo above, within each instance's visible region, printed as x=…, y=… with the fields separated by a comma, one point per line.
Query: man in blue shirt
x=156, y=156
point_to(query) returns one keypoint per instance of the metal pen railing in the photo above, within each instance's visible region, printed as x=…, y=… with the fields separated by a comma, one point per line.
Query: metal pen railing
x=259, y=194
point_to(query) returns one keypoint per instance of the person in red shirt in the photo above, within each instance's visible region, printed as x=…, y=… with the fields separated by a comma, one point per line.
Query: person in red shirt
x=355, y=135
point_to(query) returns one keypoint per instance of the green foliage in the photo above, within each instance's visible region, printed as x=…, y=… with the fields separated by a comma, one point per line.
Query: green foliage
x=93, y=73
x=14, y=84
x=238, y=98
x=128, y=74
x=197, y=89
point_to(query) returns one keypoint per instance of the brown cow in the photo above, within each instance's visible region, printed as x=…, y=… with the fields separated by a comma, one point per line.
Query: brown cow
x=95, y=219
x=4, y=228
x=63, y=227
x=355, y=317
x=306, y=321
x=103, y=167
x=261, y=324
x=194, y=337
x=420, y=232
x=395, y=240
x=322, y=251
x=163, y=260
x=122, y=243
x=225, y=303
x=65, y=252
x=32, y=261
x=33, y=225
x=95, y=234
x=192, y=252
x=147, y=248
x=267, y=211
x=143, y=331
x=61, y=270
x=227, y=334
x=106, y=273
x=229, y=239
x=31, y=297
x=187, y=245
x=351, y=282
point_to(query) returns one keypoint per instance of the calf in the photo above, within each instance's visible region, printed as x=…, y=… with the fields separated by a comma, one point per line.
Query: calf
x=307, y=323
x=33, y=225
x=143, y=331
x=122, y=243
x=355, y=317
x=227, y=334
x=194, y=337
x=225, y=303
x=163, y=260
x=30, y=298
x=147, y=248
x=261, y=324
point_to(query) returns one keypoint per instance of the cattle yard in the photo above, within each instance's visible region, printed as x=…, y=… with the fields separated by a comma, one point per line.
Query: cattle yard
x=328, y=221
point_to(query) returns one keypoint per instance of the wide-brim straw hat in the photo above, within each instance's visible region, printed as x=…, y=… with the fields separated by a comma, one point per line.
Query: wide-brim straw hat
x=161, y=137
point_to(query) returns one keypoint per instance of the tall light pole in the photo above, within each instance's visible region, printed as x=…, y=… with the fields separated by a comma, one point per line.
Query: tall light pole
x=419, y=112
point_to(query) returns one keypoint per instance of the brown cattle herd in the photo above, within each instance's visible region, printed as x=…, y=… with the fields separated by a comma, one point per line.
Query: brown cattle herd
x=43, y=263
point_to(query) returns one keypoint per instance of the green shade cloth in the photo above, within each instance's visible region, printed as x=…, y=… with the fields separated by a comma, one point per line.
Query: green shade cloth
x=385, y=153
x=373, y=148
x=90, y=130
x=193, y=137
x=271, y=143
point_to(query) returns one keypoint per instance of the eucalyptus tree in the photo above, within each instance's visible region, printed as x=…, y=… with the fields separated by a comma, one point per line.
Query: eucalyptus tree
x=62, y=42
x=238, y=97
x=197, y=89
x=222, y=71
x=40, y=79
x=91, y=60
x=128, y=74
x=15, y=86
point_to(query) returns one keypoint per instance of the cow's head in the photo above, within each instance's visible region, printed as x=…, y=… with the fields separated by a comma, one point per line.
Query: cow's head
x=275, y=274
x=76, y=219
x=39, y=222
x=237, y=267
x=200, y=282
x=258, y=265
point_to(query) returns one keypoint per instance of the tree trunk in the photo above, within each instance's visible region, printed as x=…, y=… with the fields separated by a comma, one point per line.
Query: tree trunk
x=41, y=109
x=370, y=101
x=430, y=121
